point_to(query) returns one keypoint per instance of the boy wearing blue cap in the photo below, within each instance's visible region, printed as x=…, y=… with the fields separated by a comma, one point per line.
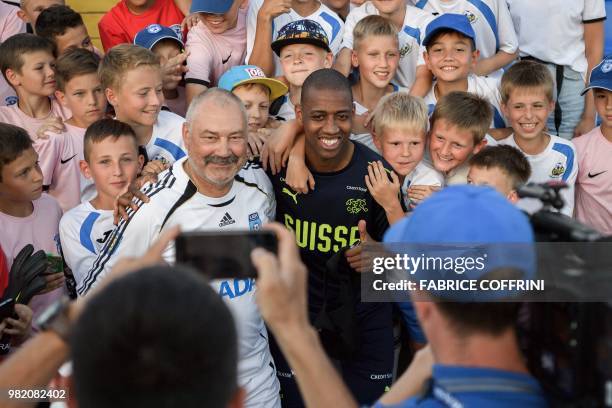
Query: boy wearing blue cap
x=215, y=44
x=167, y=45
x=249, y=83
x=594, y=150
x=495, y=35
x=451, y=55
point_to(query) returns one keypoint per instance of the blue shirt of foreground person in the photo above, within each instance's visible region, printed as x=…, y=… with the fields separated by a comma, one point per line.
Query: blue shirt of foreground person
x=477, y=359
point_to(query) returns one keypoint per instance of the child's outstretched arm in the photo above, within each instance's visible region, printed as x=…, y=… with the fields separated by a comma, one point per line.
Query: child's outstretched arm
x=277, y=147
x=342, y=63
x=485, y=66
x=385, y=191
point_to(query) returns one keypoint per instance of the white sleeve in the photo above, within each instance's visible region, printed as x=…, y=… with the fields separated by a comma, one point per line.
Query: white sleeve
x=336, y=45
x=508, y=40
x=72, y=250
x=568, y=193
x=349, y=25
x=593, y=10
x=254, y=6
x=129, y=239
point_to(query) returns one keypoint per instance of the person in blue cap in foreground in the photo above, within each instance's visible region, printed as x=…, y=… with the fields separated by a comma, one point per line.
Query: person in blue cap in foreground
x=472, y=358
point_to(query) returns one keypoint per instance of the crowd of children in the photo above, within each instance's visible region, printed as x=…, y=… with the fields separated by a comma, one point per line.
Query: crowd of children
x=491, y=92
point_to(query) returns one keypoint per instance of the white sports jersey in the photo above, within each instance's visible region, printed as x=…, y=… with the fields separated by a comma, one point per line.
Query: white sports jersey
x=166, y=142
x=490, y=20
x=556, y=163
x=83, y=232
x=422, y=175
x=485, y=87
x=287, y=110
x=174, y=200
x=329, y=20
x=553, y=30
x=410, y=38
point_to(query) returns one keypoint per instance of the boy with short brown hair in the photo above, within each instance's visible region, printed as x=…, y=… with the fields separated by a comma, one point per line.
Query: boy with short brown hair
x=527, y=101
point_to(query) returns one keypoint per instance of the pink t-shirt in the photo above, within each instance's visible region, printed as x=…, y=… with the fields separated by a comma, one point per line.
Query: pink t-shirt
x=213, y=54
x=594, y=182
x=55, y=157
x=10, y=24
x=41, y=229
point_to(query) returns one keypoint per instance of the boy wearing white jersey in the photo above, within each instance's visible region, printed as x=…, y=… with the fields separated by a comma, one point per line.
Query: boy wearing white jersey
x=208, y=190
x=264, y=24
x=132, y=79
x=451, y=57
x=527, y=100
x=495, y=36
x=567, y=35
x=410, y=23
x=112, y=161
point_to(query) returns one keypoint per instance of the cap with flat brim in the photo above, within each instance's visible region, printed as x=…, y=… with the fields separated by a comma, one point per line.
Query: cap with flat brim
x=277, y=88
x=301, y=32
x=454, y=22
x=251, y=74
x=601, y=76
x=211, y=6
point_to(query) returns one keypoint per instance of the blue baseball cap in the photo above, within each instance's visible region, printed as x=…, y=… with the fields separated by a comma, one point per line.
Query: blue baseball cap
x=301, y=32
x=467, y=221
x=450, y=21
x=601, y=76
x=154, y=33
x=211, y=6
x=251, y=74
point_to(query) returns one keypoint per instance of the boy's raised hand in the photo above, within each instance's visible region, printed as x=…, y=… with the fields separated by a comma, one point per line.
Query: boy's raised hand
x=50, y=125
x=273, y=8
x=190, y=21
x=384, y=191
x=174, y=68
x=255, y=142
x=277, y=147
x=419, y=193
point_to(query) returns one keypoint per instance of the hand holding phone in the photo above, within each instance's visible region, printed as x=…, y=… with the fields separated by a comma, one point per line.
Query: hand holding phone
x=223, y=254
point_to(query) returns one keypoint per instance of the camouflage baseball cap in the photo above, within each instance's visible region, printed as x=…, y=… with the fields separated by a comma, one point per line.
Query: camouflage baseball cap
x=301, y=32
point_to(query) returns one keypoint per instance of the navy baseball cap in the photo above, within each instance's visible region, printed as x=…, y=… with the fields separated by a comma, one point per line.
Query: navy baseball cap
x=301, y=32
x=251, y=74
x=467, y=221
x=601, y=76
x=154, y=33
x=211, y=6
x=450, y=21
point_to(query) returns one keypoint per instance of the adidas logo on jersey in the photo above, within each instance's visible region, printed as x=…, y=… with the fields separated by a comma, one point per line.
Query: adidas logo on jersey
x=226, y=220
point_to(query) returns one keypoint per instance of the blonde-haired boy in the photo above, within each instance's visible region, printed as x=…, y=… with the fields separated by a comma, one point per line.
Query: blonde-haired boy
x=132, y=79
x=527, y=101
x=400, y=134
x=376, y=55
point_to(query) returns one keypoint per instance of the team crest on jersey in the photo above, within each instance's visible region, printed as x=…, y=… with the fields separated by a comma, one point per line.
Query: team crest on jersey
x=471, y=16
x=405, y=50
x=606, y=66
x=11, y=100
x=254, y=222
x=558, y=170
x=356, y=205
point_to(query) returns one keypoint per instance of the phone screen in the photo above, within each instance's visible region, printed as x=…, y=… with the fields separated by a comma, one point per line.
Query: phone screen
x=56, y=263
x=226, y=254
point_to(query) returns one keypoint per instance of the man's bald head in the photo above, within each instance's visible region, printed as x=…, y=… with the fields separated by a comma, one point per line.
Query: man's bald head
x=218, y=97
